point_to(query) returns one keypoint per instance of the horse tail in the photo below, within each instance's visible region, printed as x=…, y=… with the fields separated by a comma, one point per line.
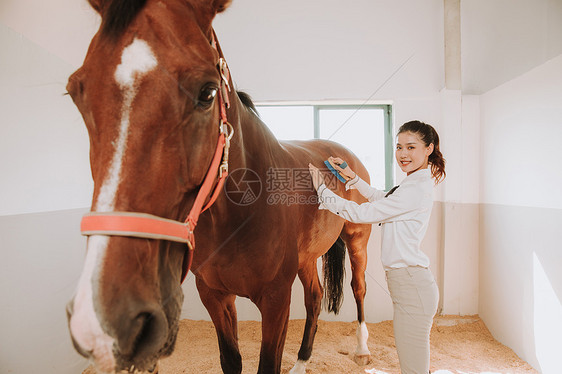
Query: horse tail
x=333, y=264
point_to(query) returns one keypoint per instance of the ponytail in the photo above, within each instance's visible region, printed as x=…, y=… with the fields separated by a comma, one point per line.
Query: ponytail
x=428, y=136
x=436, y=160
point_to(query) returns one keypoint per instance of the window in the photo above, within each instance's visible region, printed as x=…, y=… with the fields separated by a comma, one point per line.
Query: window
x=364, y=129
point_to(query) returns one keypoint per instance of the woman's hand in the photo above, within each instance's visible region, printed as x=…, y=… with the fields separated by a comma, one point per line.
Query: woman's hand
x=346, y=172
x=317, y=177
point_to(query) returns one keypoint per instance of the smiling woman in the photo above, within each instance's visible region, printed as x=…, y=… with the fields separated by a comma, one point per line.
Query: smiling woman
x=404, y=213
x=418, y=147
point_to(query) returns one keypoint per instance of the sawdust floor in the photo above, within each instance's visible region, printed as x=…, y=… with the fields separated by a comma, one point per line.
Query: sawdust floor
x=458, y=345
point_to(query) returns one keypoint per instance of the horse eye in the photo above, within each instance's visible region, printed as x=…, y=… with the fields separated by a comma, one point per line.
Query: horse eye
x=207, y=95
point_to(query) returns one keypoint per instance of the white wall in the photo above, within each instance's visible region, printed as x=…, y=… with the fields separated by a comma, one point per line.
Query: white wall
x=502, y=39
x=521, y=214
x=44, y=167
x=42, y=255
x=459, y=128
x=521, y=124
x=43, y=141
x=61, y=27
x=318, y=49
x=511, y=56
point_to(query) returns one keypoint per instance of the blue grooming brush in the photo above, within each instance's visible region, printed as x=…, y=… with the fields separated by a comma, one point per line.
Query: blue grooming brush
x=335, y=172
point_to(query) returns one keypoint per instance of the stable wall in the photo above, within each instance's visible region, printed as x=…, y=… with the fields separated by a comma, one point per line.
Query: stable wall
x=315, y=50
x=503, y=39
x=511, y=66
x=521, y=214
x=43, y=167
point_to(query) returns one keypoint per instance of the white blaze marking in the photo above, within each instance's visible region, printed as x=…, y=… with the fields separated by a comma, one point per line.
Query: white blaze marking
x=84, y=324
x=136, y=60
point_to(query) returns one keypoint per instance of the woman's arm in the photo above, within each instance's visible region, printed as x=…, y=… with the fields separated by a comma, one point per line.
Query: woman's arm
x=369, y=192
x=403, y=201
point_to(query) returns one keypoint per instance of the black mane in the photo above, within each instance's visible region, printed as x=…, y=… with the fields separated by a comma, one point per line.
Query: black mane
x=119, y=14
x=247, y=101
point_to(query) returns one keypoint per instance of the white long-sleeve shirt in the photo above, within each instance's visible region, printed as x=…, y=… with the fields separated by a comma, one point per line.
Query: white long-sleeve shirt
x=404, y=216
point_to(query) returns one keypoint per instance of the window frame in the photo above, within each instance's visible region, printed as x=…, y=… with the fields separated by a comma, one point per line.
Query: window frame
x=388, y=127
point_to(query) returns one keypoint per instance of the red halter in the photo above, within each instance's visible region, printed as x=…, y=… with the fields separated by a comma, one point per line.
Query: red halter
x=142, y=225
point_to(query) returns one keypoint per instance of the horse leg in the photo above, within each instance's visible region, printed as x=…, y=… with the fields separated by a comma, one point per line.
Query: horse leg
x=356, y=237
x=222, y=310
x=313, y=300
x=274, y=307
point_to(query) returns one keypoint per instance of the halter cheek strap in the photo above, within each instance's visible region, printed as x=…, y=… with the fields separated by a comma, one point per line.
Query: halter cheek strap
x=143, y=225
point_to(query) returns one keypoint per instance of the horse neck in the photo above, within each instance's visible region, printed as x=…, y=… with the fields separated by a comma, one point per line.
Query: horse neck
x=254, y=145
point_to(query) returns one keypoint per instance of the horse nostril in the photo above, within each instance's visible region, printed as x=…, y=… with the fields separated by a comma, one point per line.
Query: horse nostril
x=147, y=330
x=146, y=334
x=79, y=349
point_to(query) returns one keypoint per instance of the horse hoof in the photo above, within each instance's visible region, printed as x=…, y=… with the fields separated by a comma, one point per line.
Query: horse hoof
x=362, y=360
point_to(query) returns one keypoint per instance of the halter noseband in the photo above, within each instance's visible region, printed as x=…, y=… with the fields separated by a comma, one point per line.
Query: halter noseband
x=143, y=225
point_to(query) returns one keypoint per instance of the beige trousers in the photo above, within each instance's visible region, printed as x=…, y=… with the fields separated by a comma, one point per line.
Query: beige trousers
x=415, y=297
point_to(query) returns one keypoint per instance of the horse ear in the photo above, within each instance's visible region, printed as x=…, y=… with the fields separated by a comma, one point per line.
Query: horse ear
x=221, y=5
x=97, y=5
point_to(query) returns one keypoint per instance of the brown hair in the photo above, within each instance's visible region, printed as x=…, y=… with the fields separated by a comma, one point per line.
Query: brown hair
x=428, y=136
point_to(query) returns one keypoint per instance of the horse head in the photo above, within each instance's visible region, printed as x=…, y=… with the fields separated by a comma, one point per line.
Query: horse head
x=147, y=92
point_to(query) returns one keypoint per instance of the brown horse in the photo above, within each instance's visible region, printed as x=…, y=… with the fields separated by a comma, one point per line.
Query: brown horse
x=149, y=93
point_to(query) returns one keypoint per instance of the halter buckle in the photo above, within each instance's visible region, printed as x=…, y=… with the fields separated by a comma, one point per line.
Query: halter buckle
x=224, y=72
x=223, y=169
x=226, y=129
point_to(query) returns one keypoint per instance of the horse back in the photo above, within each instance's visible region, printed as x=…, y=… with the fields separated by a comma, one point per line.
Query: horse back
x=316, y=151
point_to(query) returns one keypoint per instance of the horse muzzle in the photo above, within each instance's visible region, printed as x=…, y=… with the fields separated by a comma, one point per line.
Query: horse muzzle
x=140, y=335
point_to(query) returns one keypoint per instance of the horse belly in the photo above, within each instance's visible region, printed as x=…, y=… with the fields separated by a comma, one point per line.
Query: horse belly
x=250, y=274
x=317, y=239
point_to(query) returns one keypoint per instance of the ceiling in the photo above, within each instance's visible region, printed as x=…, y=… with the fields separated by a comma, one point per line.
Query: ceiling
x=500, y=39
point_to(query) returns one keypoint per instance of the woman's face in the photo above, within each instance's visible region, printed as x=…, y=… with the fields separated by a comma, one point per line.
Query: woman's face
x=411, y=152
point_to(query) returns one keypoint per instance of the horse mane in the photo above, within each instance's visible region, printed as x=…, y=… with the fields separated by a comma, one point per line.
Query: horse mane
x=246, y=100
x=119, y=14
